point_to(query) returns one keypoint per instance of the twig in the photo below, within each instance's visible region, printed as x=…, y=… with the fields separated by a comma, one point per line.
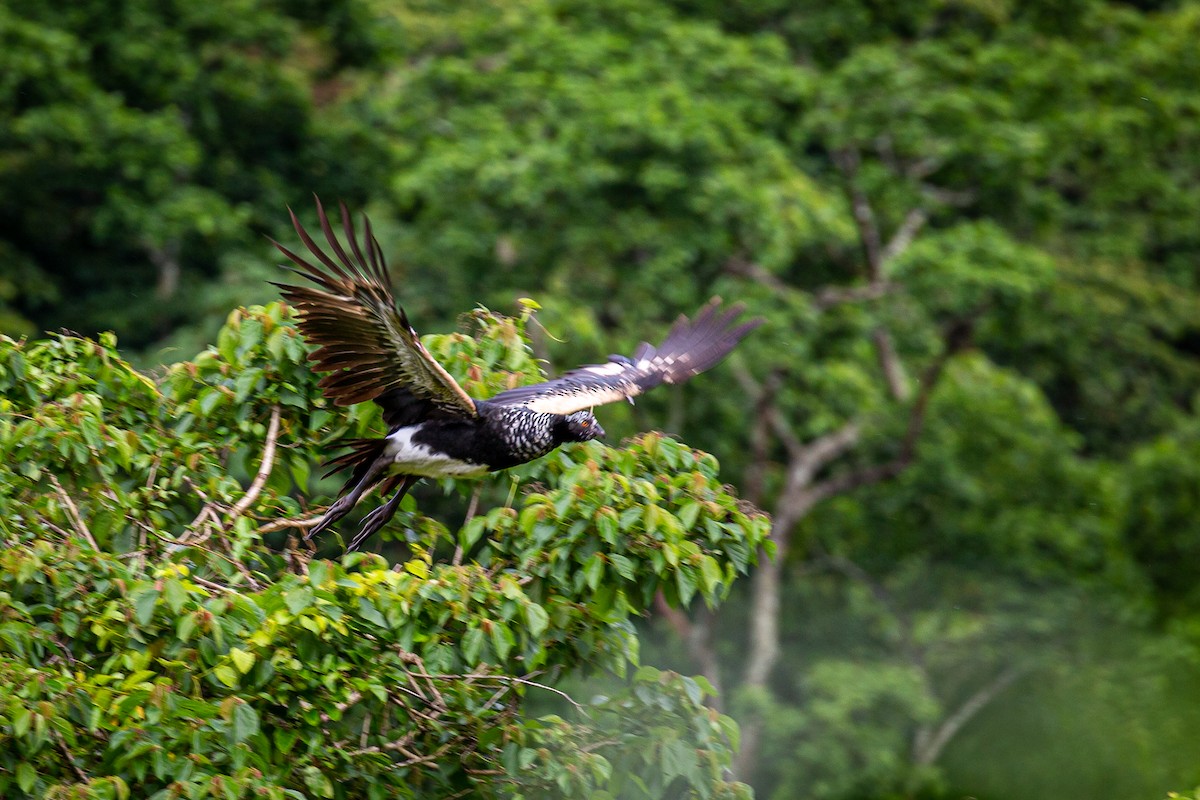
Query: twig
x=472, y=507
x=264, y=470
x=153, y=472
x=73, y=512
x=66, y=751
x=297, y=522
x=504, y=679
x=848, y=161
x=212, y=584
x=366, y=729
x=830, y=296
x=889, y=362
x=904, y=235
x=765, y=393
x=927, y=748
x=742, y=268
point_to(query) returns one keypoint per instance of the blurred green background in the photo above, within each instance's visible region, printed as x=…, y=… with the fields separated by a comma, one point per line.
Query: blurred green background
x=972, y=225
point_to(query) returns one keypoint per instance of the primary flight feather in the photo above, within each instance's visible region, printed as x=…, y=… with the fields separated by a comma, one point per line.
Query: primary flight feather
x=369, y=351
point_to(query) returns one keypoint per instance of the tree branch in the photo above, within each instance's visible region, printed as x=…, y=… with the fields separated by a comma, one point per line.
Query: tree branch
x=698, y=638
x=742, y=268
x=849, y=161
x=297, y=522
x=889, y=362
x=956, y=338
x=830, y=296
x=928, y=748
x=904, y=235
x=264, y=470
x=73, y=512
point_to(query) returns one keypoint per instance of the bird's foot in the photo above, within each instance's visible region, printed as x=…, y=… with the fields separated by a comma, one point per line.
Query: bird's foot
x=335, y=512
x=372, y=523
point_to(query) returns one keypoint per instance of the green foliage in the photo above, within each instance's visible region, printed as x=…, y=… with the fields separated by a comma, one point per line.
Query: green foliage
x=193, y=119
x=157, y=647
x=865, y=175
x=538, y=120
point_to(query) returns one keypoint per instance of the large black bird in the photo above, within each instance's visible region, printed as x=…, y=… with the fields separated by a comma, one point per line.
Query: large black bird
x=435, y=430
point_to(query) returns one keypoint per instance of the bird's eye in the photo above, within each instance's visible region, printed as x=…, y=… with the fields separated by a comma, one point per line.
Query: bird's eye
x=585, y=423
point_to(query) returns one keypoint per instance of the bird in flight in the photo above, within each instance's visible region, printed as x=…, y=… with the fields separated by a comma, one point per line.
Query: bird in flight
x=369, y=351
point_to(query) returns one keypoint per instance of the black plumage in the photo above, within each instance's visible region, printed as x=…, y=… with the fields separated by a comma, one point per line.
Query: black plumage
x=369, y=351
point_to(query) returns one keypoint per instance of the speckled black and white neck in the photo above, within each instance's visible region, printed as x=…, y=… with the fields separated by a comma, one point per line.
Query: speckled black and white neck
x=500, y=437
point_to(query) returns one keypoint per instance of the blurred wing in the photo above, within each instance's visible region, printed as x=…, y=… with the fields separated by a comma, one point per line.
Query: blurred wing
x=691, y=347
x=363, y=340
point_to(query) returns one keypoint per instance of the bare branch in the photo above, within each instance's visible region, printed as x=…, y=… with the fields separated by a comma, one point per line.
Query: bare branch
x=830, y=296
x=219, y=587
x=67, y=754
x=819, y=452
x=889, y=362
x=296, y=522
x=904, y=235
x=756, y=272
x=927, y=749
x=72, y=512
x=697, y=636
x=956, y=198
x=848, y=161
x=764, y=401
x=507, y=679
x=264, y=469
x=166, y=260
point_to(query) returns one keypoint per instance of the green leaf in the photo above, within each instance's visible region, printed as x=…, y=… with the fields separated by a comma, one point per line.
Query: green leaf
x=317, y=783
x=245, y=722
x=143, y=606
x=26, y=776
x=246, y=383
x=226, y=675
x=689, y=513
x=21, y=720
x=593, y=570
x=536, y=619
x=174, y=593
x=241, y=659
x=318, y=572
x=472, y=644
x=606, y=524
x=185, y=627
x=369, y=612
x=285, y=739
x=298, y=599
x=502, y=640
x=685, y=581
x=623, y=566
x=710, y=574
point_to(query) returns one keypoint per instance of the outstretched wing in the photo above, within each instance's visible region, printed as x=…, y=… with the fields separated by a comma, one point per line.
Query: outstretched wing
x=363, y=340
x=691, y=347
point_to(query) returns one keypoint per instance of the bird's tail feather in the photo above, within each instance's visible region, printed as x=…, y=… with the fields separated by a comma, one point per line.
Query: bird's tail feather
x=363, y=453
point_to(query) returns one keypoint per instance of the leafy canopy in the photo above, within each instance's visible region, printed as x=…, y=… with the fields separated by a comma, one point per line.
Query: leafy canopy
x=163, y=636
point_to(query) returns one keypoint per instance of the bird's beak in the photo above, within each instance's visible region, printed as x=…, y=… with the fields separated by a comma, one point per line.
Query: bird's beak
x=597, y=431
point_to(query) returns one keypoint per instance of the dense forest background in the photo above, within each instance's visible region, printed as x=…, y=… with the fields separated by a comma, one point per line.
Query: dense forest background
x=973, y=227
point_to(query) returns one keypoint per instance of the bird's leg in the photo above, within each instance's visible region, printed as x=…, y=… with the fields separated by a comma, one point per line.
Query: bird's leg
x=342, y=506
x=380, y=516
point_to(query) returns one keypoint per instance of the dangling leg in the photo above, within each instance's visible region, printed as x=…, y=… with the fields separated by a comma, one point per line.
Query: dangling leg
x=347, y=501
x=380, y=516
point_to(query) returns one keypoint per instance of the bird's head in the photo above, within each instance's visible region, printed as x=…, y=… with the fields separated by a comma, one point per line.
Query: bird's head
x=582, y=426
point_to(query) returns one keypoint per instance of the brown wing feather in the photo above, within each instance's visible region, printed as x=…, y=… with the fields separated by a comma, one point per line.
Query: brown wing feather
x=691, y=347
x=363, y=339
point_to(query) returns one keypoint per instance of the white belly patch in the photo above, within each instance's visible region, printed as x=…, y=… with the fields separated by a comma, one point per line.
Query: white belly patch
x=411, y=458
